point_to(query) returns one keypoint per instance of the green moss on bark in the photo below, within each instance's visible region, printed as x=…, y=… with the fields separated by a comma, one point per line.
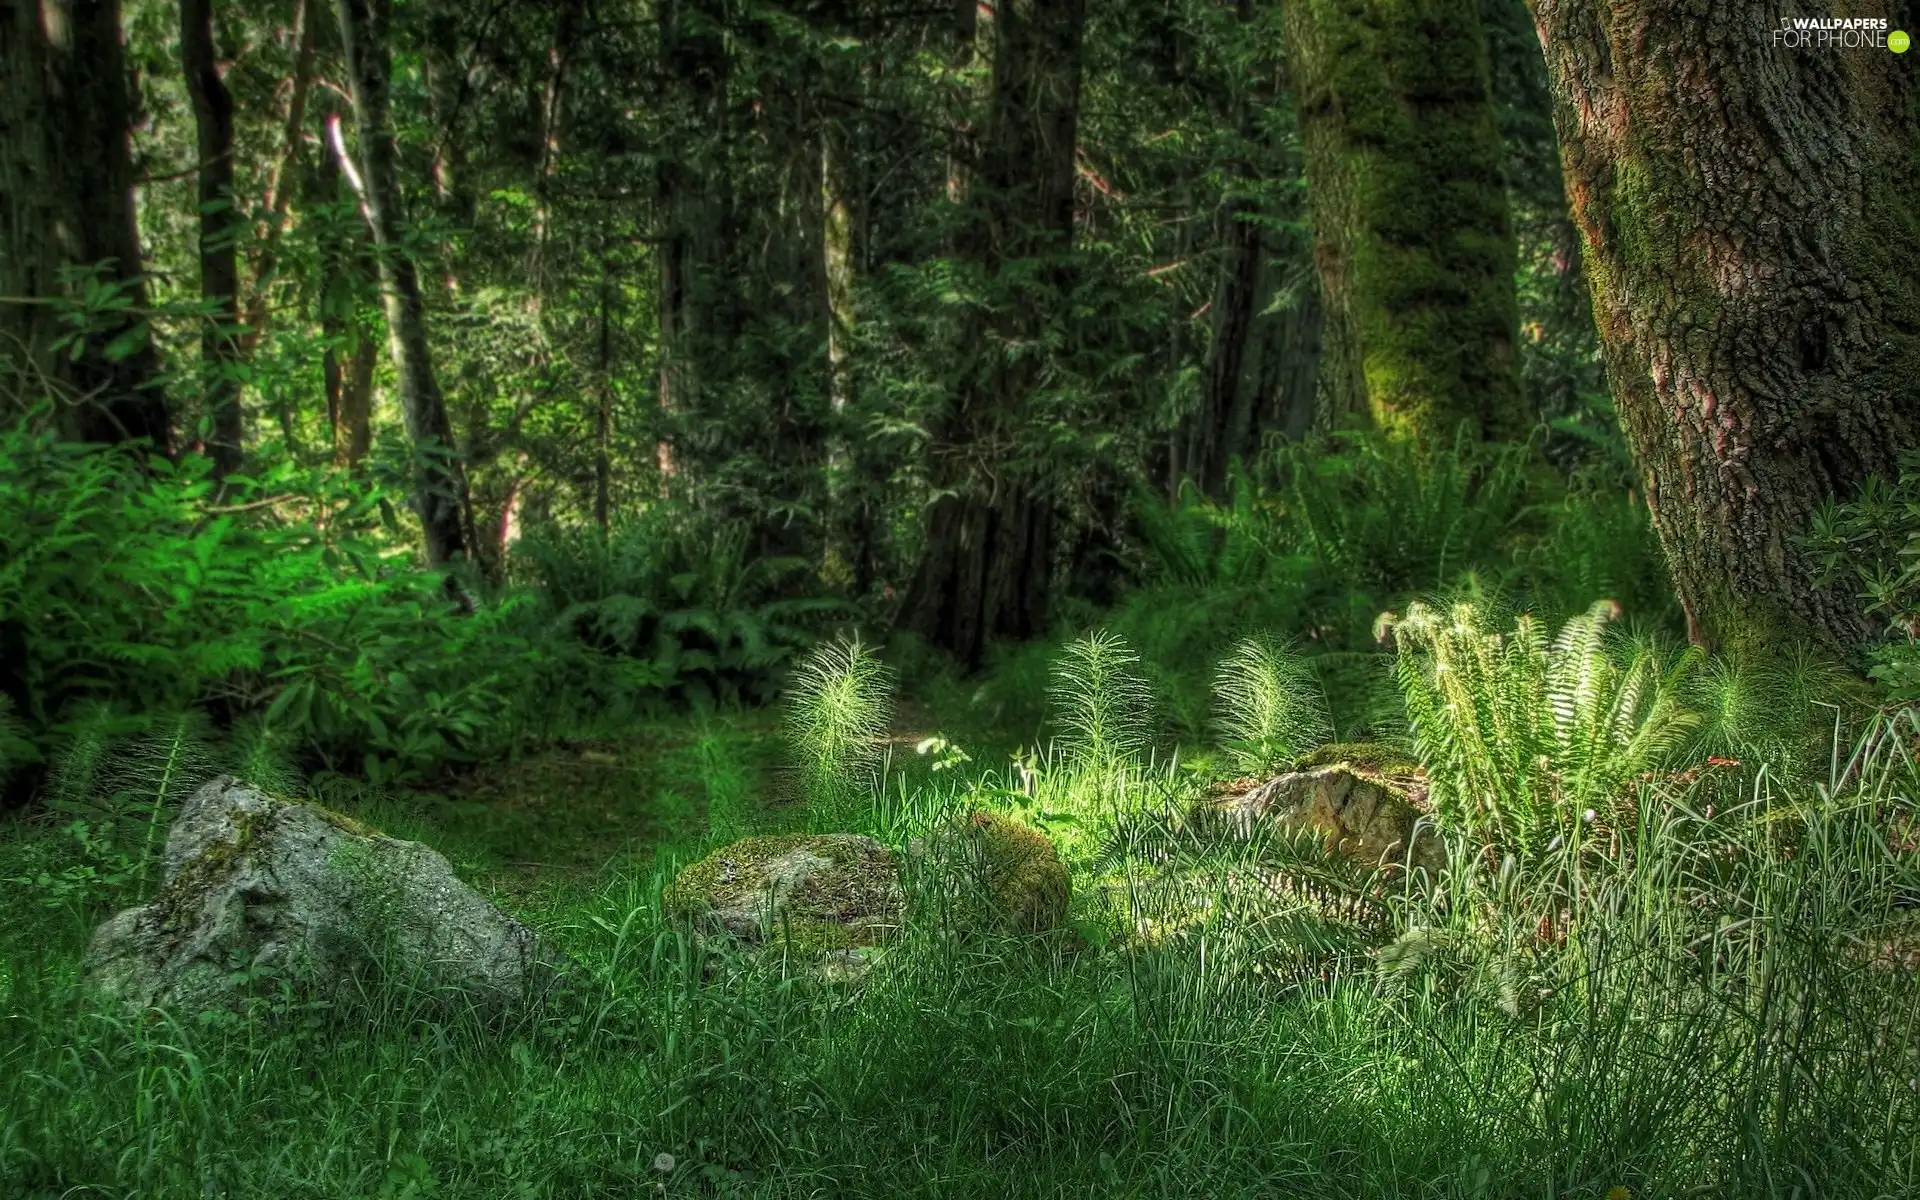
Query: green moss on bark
x=1415, y=243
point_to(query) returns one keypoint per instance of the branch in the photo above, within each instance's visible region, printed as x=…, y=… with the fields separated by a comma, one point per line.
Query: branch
x=338, y=141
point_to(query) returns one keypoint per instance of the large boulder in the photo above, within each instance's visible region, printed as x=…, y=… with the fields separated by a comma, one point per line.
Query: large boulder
x=256, y=885
x=1366, y=802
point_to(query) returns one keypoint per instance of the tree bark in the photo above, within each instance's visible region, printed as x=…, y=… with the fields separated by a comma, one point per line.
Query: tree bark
x=986, y=566
x=66, y=202
x=219, y=234
x=439, y=484
x=1414, y=241
x=1749, y=213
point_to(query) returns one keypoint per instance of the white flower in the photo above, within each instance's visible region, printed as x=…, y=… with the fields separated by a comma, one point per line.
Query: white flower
x=663, y=1163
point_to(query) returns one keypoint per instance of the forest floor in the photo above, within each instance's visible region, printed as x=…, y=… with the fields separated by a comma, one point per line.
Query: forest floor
x=1006, y=1069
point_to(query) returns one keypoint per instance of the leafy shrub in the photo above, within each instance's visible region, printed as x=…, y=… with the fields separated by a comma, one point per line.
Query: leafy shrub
x=283, y=599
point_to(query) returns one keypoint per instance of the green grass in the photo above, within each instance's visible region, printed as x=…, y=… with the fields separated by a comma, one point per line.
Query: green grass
x=1695, y=996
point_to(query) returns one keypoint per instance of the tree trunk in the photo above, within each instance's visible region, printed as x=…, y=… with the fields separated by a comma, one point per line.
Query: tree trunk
x=280, y=187
x=987, y=564
x=1749, y=213
x=1414, y=241
x=440, y=484
x=219, y=234
x=66, y=201
x=696, y=305
x=603, y=396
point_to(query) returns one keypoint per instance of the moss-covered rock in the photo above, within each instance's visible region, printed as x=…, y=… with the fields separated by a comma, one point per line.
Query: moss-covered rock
x=995, y=874
x=809, y=893
x=1369, y=758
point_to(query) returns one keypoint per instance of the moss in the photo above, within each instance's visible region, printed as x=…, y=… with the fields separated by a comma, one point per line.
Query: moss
x=1416, y=242
x=1022, y=879
x=848, y=906
x=1372, y=758
x=204, y=871
x=345, y=823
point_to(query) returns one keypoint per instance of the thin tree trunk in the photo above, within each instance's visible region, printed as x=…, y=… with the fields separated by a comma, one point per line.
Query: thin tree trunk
x=1415, y=243
x=219, y=233
x=279, y=187
x=1749, y=212
x=440, y=484
x=66, y=201
x=603, y=396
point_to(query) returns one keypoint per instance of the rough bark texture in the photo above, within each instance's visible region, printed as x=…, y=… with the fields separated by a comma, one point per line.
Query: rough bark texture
x=66, y=201
x=1414, y=241
x=219, y=233
x=986, y=568
x=1749, y=213
x=440, y=484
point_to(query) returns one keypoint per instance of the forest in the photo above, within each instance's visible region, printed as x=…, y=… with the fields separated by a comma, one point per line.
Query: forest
x=622, y=598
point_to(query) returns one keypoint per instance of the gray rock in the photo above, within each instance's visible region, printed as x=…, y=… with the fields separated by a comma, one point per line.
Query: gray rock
x=1368, y=817
x=259, y=885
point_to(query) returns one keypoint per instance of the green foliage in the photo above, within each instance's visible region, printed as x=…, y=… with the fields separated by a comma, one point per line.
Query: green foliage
x=1871, y=544
x=839, y=704
x=1103, y=706
x=1268, y=704
x=680, y=605
x=1521, y=736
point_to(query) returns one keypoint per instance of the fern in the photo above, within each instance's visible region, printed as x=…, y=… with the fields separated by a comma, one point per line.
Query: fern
x=838, y=709
x=1520, y=735
x=1101, y=701
x=1268, y=704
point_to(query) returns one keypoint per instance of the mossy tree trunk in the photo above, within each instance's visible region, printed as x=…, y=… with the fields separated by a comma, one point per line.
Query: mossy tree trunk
x=987, y=563
x=66, y=202
x=1750, y=213
x=1413, y=237
x=440, y=488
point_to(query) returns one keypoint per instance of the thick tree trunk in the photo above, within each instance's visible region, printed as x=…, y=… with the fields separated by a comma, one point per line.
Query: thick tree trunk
x=440, y=484
x=66, y=201
x=987, y=565
x=1749, y=213
x=219, y=234
x=1415, y=245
